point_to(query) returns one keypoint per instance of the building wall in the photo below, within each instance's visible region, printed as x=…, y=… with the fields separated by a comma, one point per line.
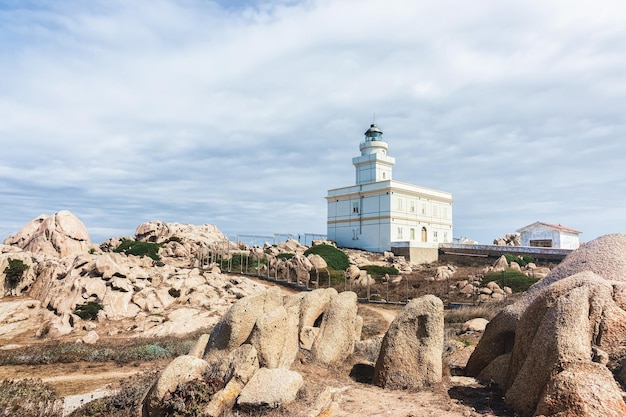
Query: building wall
x=569, y=241
x=413, y=212
x=374, y=216
x=559, y=238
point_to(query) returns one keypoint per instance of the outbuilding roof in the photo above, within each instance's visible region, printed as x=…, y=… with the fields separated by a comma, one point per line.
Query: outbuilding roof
x=550, y=225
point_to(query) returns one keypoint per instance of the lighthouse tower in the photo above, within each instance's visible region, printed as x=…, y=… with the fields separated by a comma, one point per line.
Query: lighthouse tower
x=374, y=164
x=380, y=214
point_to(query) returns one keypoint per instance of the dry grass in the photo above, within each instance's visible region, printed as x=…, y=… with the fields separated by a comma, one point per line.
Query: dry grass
x=124, y=403
x=120, y=351
x=465, y=313
x=29, y=398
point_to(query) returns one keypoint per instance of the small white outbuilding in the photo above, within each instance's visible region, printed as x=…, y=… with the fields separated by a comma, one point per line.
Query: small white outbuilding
x=546, y=235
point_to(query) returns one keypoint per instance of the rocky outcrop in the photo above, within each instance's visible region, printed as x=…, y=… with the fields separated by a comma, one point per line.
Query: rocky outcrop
x=444, y=272
x=582, y=390
x=270, y=388
x=510, y=239
x=61, y=234
x=257, y=340
x=411, y=351
x=339, y=331
x=604, y=256
x=146, y=298
x=545, y=350
x=276, y=327
x=237, y=324
x=181, y=370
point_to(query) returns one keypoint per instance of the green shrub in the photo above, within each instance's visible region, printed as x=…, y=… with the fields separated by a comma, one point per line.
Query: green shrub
x=88, y=311
x=236, y=261
x=14, y=273
x=133, y=247
x=336, y=277
x=517, y=281
x=521, y=260
x=285, y=256
x=335, y=258
x=379, y=271
x=29, y=397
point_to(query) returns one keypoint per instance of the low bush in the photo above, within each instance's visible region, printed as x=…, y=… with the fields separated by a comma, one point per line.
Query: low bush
x=336, y=277
x=285, y=255
x=517, y=281
x=88, y=311
x=378, y=271
x=133, y=247
x=124, y=402
x=521, y=260
x=190, y=399
x=29, y=397
x=14, y=273
x=335, y=258
x=131, y=350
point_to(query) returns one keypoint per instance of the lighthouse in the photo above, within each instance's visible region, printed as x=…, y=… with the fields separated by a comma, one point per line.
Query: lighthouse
x=381, y=214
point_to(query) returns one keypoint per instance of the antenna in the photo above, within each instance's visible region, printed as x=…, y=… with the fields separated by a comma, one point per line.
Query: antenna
x=374, y=118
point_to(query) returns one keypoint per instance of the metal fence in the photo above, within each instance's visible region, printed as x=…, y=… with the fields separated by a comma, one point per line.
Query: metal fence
x=294, y=272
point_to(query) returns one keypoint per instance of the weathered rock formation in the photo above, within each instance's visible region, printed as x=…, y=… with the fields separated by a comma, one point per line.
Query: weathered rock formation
x=566, y=335
x=510, y=239
x=275, y=326
x=59, y=235
x=146, y=297
x=270, y=388
x=257, y=340
x=411, y=351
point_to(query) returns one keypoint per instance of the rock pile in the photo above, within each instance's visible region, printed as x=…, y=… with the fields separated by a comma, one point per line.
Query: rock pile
x=144, y=296
x=59, y=235
x=511, y=239
x=265, y=333
x=559, y=351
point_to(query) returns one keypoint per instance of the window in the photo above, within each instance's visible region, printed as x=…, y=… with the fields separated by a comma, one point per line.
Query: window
x=423, y=208
x=445, y=236
x=399, y=203
x=399, y=233
x=355, y=234
x=435, y=236
x=412, y=206
x=435, y=211
x=424, y=235
x=355, y=207
x=412, y=234
x=541, y=243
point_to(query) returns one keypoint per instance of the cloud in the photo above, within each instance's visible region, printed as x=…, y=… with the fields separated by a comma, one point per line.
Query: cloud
x=243, y=114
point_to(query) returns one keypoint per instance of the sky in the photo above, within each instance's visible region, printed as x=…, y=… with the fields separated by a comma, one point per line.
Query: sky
x=243, y=114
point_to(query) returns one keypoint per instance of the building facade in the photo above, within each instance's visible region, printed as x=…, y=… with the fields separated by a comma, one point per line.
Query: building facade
x=546, y=235
x=380, y=214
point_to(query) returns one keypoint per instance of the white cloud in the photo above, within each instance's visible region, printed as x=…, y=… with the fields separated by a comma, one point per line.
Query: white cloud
x=243, y=114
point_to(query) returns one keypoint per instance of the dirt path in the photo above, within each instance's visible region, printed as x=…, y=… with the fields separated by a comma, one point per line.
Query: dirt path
x=79, y=377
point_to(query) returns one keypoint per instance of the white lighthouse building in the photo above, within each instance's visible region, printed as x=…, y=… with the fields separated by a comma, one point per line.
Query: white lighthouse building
x=380, y=214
